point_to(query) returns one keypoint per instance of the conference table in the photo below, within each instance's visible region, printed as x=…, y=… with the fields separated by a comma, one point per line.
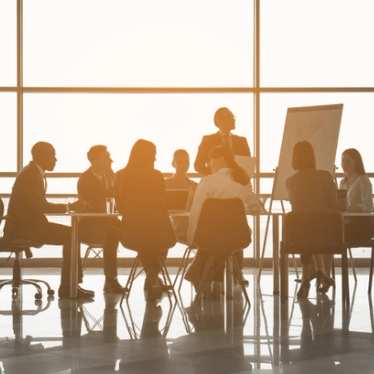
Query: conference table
x=75, y=218
x=276, y=218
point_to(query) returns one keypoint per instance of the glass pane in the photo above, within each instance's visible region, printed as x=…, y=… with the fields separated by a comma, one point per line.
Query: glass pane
x=356, y=128
x=74, y=122
x=317, y=43
x=8, y=132
x=8, y=43
x=138, y=43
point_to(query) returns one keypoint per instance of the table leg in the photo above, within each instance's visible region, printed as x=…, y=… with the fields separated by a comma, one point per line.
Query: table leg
x=75, y=247
x=229, y=294
x=275, y=219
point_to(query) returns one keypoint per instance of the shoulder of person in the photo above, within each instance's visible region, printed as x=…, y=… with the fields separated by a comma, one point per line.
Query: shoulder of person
x=364, y=179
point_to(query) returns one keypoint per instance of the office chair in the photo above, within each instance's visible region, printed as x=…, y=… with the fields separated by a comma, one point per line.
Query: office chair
x=313, y=234
x=18, y=247
x=222, y=232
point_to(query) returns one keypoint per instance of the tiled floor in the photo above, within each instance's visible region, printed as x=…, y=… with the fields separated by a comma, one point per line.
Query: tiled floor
x=105, y=337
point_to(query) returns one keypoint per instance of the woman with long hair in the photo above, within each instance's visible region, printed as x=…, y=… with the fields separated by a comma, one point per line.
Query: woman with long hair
x=146, y=226
x=358, y=192
x=311, y=191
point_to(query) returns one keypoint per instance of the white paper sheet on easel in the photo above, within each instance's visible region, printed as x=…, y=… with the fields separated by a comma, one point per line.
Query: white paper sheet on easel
x=247, y=163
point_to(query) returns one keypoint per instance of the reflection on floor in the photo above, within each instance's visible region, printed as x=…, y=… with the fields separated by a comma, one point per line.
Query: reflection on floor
x=106, y=337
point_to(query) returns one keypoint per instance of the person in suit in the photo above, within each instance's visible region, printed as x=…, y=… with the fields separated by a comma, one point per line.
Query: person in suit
x=95, y=186
x=27, y=211
x=146, y=226
x=311, y=191
x=225, y=121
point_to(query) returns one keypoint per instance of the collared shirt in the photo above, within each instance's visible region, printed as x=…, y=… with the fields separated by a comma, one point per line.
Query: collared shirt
x=107, y=180
x=219, y=185
x=226, y=139
x=42, y=173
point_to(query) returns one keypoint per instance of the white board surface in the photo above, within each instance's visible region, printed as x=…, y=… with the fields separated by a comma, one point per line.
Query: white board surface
x=319, y=125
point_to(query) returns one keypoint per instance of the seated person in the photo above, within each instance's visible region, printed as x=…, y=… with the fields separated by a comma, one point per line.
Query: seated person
x=146, y=227
x=180, y=181
x=95, y=185
x=359, y=197
x=27, y=211
x=227, y=181
x=311, y=191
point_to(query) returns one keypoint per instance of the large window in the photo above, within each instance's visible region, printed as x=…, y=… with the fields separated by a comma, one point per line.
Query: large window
x=81, y=72
x=138, y=43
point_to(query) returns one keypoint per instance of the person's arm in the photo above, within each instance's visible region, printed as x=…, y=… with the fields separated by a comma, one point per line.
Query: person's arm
x=202, y=158
x=200, y=196
x=87, y=194
x=246, y=147
x=366, y=192
x=35, y=197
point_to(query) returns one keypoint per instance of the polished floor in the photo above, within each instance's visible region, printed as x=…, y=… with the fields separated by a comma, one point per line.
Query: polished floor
x=106, y=337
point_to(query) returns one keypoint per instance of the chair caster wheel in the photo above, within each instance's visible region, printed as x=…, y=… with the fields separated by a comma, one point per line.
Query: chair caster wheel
x=50, y=292
x=38, y=296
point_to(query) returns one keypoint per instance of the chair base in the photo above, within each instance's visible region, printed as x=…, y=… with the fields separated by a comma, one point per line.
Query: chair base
x=16, y=285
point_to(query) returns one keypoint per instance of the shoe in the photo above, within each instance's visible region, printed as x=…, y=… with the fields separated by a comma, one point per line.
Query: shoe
x=89, y=293
x=303, y=291
x=113, y=286
x=81, y=294
x=325, y=284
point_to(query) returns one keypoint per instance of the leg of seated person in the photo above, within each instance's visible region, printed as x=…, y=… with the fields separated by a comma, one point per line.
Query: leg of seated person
x=56, y=234
x=113, y=236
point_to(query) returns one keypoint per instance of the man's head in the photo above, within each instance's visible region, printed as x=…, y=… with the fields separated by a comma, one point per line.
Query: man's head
x=224, y=120
x=181, y=161
x=99, y=158
x=44, y=155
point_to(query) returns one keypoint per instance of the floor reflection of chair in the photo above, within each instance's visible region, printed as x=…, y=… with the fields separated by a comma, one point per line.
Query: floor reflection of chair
x=20, y=343
x=136, y=270
x=135, y=332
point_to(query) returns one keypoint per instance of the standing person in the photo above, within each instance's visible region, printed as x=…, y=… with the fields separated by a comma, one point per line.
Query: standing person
x=146, y=227
x=27, y=211
x=181, y=181
x=359, y=197
x=225, y=121
x=311, y=191
x=95, y=186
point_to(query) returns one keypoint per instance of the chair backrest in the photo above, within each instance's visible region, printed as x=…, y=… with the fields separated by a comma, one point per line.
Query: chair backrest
x=313, y=232
x=223, y=226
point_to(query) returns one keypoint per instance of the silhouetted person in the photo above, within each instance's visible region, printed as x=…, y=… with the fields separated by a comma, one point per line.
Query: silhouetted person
x=146, y=226
x=225, y=121
x=227, y=181
x=95, y=186
x=27, y=211
x=181, y=181
x=311, y=191
x=359, y=198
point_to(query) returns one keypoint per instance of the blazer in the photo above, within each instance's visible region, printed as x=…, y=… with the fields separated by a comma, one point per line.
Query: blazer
x=141, y=199
x=239, y=147
x=28, y=205
x=93, y=191
x=312, y=191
